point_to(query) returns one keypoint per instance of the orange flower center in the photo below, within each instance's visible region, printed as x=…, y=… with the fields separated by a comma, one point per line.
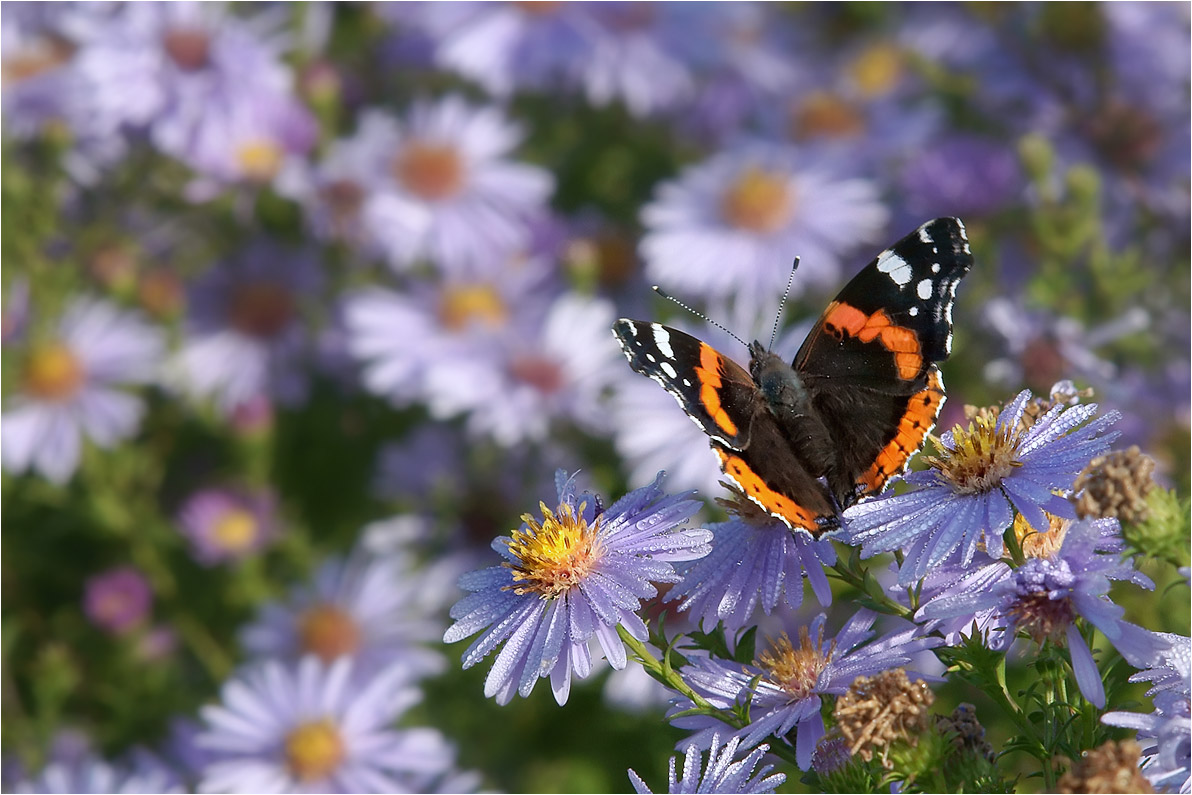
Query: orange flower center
x=878, y=69
x=430, y=171
x=758, y=201
x=328, y=631
x=39, y=57
x=53, y=372
x=540, y=372
x=314, y=750
x=261, y=309
x=190, y=50
x=824, y=115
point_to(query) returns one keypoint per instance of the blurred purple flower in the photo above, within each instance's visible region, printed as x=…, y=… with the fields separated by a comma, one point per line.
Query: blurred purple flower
x=981, y=474
x=1166, y=731
x=69, y=387
x=581, y=571
x=754, y=558
x=364, y=607
x=118, y=600
x=731, y=225
x=506, y=47
x=246, y=334
x=961, y=175
x=724, y=773
x=1046, y=594
x=312, y=727
x=227, y=524
x=791, y=681
x=91, y=774
x=633, y=56
x=160, y=67
x=438, y=185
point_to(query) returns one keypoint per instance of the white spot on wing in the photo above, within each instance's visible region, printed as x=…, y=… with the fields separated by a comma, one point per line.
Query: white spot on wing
x=666, y=368
x=923, y=289
x=650, y=356
x=935, y=266
x=662, y=340
x=924, y=235
x=895, y=267
x=914, y=311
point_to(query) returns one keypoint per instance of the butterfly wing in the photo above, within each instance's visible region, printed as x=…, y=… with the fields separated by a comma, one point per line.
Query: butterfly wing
x=723, y=400
x=869, y=362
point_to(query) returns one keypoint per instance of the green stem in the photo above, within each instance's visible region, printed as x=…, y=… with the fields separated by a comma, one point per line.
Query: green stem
x=662, y=669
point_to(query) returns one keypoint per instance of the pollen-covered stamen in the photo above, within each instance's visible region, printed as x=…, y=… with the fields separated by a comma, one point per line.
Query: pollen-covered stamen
x=796, y=670
x=981, y=455
x=328, y=631
x=1042, y=608
x=1041, y=543
x=556, y=554
x=431, y=171
x=472, y=306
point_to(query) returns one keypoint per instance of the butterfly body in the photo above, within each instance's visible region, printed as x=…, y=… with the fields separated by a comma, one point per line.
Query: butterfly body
x=806, y=439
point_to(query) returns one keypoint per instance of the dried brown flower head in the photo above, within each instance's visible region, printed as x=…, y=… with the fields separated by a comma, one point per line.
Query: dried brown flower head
x=878, y=710
x=1115, y=484
x=1112, y=767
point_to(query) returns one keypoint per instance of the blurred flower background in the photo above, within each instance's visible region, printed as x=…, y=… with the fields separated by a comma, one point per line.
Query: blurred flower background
x=304, y=304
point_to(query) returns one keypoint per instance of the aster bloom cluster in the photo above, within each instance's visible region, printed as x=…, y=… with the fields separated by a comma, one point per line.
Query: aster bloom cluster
x=306, y=306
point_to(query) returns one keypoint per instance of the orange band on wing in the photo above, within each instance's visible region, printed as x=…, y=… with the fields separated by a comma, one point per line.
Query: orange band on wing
x=786, y=509
x=921, y=412
x=899, y=340
x=708, y=372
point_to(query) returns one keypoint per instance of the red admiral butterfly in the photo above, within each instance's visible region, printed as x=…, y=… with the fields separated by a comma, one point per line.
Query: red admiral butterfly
x=858, y=400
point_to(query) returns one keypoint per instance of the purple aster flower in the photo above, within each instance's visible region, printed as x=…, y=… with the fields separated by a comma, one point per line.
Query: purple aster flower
x=316, y=728
x=246, y=334
x=730, y=226
x=634, y=57
x=248, y=138
x=579, y=572
x=157, y=67
x=365, y=607
x=225, y=524
x=1046, y=594
x=961, y=175
x=505, y=46
x=1167, y=731
x=118, y=600
x=438, y=185
x=791, y=681
x=90, y=774
x=982, y=475
x=724, y=773
x=754, y=558
x=70, y=388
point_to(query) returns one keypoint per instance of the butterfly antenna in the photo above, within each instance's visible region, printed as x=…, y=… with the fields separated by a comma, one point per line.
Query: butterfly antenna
x=700, y=315
x=782, y=305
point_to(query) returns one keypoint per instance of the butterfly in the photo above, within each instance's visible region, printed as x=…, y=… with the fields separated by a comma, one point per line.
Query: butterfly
x=808, y=439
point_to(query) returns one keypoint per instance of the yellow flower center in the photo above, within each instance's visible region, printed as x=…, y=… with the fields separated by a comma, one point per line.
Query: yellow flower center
x=824, y=115
x=236, y=530
x=430, y=171
x=758, y=201
x=982, y=456
x=465, y=306
x=796, y=670
x=53, y=372
x=878, y=69
x=161, y=292
x=260, y=159
x=314, y=750
x=328, y=631
x=555, y=555
x=261, y=309
x=1041, y=544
